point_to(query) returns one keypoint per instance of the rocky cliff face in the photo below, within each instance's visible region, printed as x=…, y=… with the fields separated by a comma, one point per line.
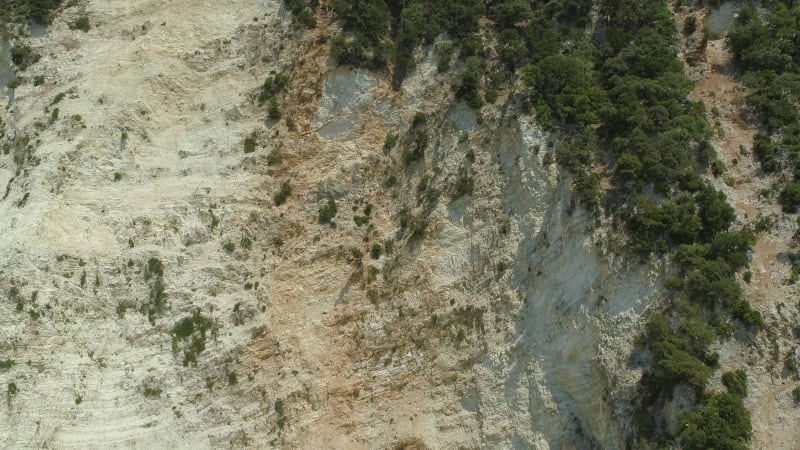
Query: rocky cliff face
x=159, y=295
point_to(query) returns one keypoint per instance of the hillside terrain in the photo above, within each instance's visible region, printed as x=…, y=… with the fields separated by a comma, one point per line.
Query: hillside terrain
x=421, y=224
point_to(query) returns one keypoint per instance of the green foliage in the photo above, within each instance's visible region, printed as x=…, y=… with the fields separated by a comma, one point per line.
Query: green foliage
x=766, y=49
x=690, y=25
x=274, y=158
x=57, y=99
x=735, y=383
x=38, y=11
x=390, y=141
x=249, y=144
x=153, y=269
x=327, y=212
x=366, y=24
x=23, y=56
x=565, y=90
x=413, y=225
x=11, y=392
x=81, y=23
x=195, y=330
x=724, y=423
x=376, y=33
x=274, y=85
x=152, y=392
x=417, y=139
x=157, y=298
x=464, y=184
x=246, y=242
x=470, y=82
x=376, y=251
x=789, y=197
x=273, y=110
x=283, y=194
x=302, y=11
x=766, y=152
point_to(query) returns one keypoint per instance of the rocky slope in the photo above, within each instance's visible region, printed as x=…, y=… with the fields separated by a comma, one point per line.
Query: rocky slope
x=771, y=289
x=139, y=233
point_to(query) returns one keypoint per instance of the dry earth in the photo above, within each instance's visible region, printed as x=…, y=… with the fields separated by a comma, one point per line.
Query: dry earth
x=510, y=324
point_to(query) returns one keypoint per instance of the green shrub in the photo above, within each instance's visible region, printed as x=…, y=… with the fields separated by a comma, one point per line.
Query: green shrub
x=250, y=144
x=195, y=329
x=360, y=220
x=690, y=25
x=57, y=99
x=302, y=12
x=81, y=23
x=273, y=110
x=464, y=185
x=736, y=383
x=23, y=56
x=789, y=197
x=390, y=141
x=246, y=243
x=470, y=82
x=723, y=423
x=152, y=392
x=274, y=85
x=283, y=194
x=157, y=299
x=274, y=158
x=328, y=212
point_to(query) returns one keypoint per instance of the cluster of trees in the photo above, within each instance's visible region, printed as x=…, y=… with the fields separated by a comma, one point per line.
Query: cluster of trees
x=767, y=50
x=39, y=11
x=381, y=33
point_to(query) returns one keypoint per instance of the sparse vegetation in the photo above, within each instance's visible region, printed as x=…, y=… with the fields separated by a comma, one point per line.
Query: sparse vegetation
x=195, y=329
x=23, y=56
x=156, y=302
x=152, y=392
x=283, y=194
x=250, y=144
x=274, y=158
x=302, y=11
x=390, y=141
x=6, y=364
x=81, y=23
x=464, y=185
x=327, y=212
